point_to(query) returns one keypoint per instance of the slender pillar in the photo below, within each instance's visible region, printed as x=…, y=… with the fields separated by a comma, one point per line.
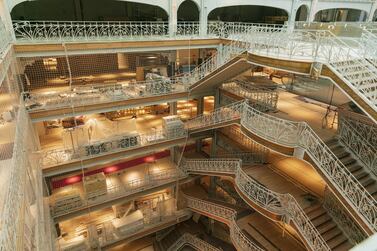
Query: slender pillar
x=211, y=226
x=312, y=11
x=173, y=9
x=372, y=11
x=173, y=108
x=217, y=97
x=292, y=15
x=5, y=17
x=203, y=19
x=362, y=16
x=198, y=145
x=200, y=106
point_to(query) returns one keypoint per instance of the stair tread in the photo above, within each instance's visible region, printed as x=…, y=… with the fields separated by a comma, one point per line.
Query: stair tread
x=316, y=213
x=343, y=246
x=326, y=227
x=339, y=239
x=321, y=220
x=331, y=234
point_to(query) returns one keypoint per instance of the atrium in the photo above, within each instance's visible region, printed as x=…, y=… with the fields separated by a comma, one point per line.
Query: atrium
x=181, y=125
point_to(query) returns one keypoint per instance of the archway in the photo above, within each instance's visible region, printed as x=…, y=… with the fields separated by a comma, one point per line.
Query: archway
x=302, y=13
x=340, y=15
x=249, y=13
x=87, y=10
x=188, y=11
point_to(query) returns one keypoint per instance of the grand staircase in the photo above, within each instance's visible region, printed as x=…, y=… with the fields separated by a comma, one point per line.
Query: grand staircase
x=329, y=231
x=360, y=173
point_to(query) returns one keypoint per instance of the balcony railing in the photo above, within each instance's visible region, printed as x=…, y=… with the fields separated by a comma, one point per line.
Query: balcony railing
x=300, y=134
x=79, y=31
x=228, y=216
x=359, y=134
x=189, y=239
x=279, y=204
x=110, y=234
x=101, y=94
x=111, y=145
x=260, y=98
x=120, y=190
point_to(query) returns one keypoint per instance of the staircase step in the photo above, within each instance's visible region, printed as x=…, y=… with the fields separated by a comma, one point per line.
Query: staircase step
x=359, y=174
x=336, y=241
x=331, y=234
x=348, y=160
x=366, y=181
x=341, y=154
x=326, y=227
x=345, y=246
x=354, y=167
x=321, y=220
x=310, y=209
x=316, y=213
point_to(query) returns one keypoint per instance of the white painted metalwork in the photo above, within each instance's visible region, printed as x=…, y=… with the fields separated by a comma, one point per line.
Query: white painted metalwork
x=226, y=215
x=262, y=99
x=22, y=221
x=193, y=241
x=5, y=38
x=257, y=152
x=359, y=135
x=348, y=226
x=221, y=115
x=119, y=190
x=101, y=93
x=300, y=134
x=279, y=204
x=110, y=145
x=152, y=222
x=76, y=31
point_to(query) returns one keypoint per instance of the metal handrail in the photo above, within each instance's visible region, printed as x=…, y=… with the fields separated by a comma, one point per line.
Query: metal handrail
x=228, y=216
x=189, y=239
x=300, y=134
x=276, y=203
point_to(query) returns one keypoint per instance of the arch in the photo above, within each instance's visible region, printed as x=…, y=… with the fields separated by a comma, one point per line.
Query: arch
x=302, y=13
x=340, y=15
x=188, y=10
x=88, y=10
x=249, y=13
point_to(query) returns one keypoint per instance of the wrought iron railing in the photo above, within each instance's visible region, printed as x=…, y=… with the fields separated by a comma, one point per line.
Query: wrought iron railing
x=278, y=204
x=359, y=135
x=227, y=216
x=119, y=190
x=97, y=94
x=21, y=226
x=348, y=226
x=110, y=145
x=300, y=134
x=221, y=115
x=193, y=241
x=258, y=152
x=110, y=234
x=5, y=38
x=260, y=98
x=76, y=31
